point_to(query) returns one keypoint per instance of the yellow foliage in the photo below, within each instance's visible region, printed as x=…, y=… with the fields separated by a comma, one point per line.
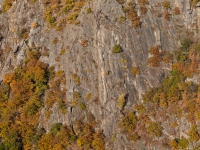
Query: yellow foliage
x=7, y=4
x=88, y=96
x=121, y=101
x=166, y=4
x=173, y=144
x=46, y=142
x=98, y=143
x=79, y=142
x=8, y=78
x=135, y=70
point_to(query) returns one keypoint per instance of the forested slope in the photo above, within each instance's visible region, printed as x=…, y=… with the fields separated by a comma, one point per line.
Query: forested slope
x=99, y=74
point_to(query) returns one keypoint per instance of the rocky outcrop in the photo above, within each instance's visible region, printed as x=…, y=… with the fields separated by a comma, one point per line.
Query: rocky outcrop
x=88, y=55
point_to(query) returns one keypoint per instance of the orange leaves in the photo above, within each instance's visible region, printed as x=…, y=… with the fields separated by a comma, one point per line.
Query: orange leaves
x=62, y=136
x=46, y=142
x=178, y=66
x=167, y=15
x=21, y=94
x=98, y=142
x=154, y=50
x=188, y=69
x=34, y=25
x=177, y=11
x=50, y=98
x=166, y=56
x=133, y=16
x=142, y=7
x=21, y=90
x=8, y=78
x=143, y=2
x=158, y=57
x=155, y=60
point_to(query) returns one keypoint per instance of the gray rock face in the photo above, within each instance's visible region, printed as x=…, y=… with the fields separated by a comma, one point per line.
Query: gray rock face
x=103, y=74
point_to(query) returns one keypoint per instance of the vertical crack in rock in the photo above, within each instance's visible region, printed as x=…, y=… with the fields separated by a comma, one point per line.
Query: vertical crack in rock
x=101, y=71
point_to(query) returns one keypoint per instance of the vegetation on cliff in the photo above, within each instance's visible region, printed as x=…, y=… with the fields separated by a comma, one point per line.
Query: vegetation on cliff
x=23, y=94
x=176, y=97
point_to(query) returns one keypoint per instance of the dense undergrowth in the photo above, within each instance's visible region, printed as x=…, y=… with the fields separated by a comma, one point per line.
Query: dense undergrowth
x=58, y=13
x=23, y=93
x=164, y=107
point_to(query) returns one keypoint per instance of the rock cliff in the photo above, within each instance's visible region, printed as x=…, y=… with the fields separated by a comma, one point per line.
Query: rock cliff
x=80, y=42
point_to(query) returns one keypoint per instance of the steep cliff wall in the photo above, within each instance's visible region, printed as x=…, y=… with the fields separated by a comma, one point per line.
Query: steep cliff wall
x=83, y=50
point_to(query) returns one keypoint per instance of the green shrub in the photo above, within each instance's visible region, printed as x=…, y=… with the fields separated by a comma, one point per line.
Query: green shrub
x=197, y=47
x=32, y=107
x=140, y=108
x=72, y=17
x=196, y=148
x=11, y=140
x=129, y=121
x=4, y=91
x=20, y=33
x=116, y=49
x=62, y=51
x=154, y=129
x=67, y=7
x=55, y=128
x=62, y=106
x=185, y=44
x=50, y=20
x=72, y=138
x=88, y=10
x=82, y=106
x=183, y=143
x=179, y=56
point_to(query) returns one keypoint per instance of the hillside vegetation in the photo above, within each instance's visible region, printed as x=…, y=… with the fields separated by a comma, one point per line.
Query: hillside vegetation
x=99, y=75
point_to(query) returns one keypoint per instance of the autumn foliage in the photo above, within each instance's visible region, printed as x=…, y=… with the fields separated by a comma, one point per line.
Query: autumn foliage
x=176, y=96
x=158, y=56
x=23, y=93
